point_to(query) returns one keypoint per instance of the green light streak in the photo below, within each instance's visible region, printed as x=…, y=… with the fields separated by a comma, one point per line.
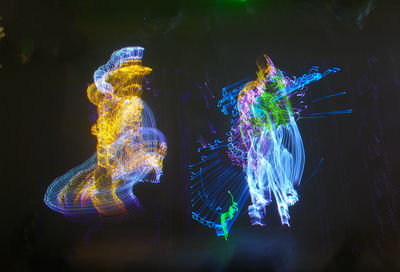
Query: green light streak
x=270, y=112
x=228, y=215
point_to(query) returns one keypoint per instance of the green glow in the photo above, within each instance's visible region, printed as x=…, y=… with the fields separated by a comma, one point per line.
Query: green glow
x=270, y=112
x=228, y=215
x=234, y=1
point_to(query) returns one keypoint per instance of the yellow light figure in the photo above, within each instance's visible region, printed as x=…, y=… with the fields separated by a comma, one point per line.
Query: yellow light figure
x=129, y=147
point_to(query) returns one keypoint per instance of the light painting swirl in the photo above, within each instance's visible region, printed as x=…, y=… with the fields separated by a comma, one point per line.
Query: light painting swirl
x=129, y=147
x=264, y=147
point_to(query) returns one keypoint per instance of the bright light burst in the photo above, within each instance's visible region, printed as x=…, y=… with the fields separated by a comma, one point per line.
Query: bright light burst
x=129, y=147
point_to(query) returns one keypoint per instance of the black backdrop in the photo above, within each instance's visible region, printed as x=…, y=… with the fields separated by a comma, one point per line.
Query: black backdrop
x=348, y=214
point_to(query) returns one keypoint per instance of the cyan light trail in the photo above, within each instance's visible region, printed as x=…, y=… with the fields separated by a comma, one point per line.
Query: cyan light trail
x=263, y=155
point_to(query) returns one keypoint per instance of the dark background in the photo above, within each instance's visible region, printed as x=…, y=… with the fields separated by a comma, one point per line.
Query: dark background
x=347, y=218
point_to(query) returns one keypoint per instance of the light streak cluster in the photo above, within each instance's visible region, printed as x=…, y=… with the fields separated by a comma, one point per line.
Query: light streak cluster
x=264, y=147
x=129, y=147
x=268, y=135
